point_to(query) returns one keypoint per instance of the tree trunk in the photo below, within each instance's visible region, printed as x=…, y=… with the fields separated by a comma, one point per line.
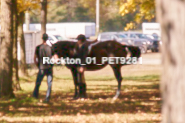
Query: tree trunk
x=16, y=84
x=6, y=57
x=171, y=15
x=43, y=16
x=22, y=64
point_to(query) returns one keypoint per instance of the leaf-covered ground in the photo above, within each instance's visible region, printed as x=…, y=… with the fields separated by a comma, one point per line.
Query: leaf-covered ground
x=139, y=101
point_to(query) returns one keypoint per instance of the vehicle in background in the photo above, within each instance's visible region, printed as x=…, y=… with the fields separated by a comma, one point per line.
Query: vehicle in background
x=156, y=44
x=153, y=36
x=69, y=30
x=142, y=43
x=52, y=39
x=123, y=39
x=152, y=41
x=151, y=29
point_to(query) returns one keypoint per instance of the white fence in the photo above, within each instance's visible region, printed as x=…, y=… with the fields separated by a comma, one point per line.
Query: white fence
x=32, y=39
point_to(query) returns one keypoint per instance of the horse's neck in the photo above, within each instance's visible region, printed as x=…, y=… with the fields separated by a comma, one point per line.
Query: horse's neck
x=91, y=46
x=94, y=41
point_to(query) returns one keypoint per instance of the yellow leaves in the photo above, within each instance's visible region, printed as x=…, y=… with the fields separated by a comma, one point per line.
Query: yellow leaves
x=126, y=29
x=122, y=8
x=145, y=10
x=130, y=25
x=127, y=7
x=24, y=5
x=126, y=11
x=138, y=17
x=130, y=2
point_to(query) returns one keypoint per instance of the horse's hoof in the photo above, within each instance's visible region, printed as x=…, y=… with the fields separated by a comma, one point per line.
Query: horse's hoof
x=115, y=98
x=83, y=97
x=75, y=97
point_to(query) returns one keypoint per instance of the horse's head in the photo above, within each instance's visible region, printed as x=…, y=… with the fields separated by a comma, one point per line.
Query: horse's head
x=63, y=49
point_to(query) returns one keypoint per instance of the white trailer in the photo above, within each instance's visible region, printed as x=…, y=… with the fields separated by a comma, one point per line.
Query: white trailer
x=151, y=29
x=68, y=30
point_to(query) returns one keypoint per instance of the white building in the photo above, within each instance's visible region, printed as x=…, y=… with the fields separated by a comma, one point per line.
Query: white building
x=151, y=28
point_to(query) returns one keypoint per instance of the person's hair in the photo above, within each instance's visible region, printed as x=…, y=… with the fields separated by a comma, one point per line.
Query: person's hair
x=81, y=37
x=45, y=37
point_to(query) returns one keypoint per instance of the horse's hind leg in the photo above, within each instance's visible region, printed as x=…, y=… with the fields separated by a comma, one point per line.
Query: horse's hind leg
x=117, y=73
x=75, y=79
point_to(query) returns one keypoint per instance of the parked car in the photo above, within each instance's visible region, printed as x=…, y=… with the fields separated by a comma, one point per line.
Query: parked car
x=141, y=43
x=123, y=39
x=55, y=38
x=155, y=46
x=52, y=39
x=113, y=36
x=153, y=36
x=152, y=42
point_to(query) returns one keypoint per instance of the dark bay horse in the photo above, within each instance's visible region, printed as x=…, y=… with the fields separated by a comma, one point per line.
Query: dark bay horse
x=96, y=50
x=105, y=49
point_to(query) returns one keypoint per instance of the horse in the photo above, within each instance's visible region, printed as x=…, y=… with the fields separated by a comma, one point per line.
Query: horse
x=107, y=49
x=97, y=50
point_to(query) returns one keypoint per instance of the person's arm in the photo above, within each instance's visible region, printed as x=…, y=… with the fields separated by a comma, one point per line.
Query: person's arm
x=36, y=57
x=54, y=54
x=35, y=60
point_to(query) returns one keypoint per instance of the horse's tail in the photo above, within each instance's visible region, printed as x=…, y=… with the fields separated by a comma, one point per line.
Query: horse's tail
x=134, y=50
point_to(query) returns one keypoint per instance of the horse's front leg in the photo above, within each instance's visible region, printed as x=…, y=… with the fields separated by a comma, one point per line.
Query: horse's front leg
x=82, y=85
x=75, y=79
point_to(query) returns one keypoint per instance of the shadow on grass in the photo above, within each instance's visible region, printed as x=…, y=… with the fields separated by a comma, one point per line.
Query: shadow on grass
x=147, y=78
x=137, y=97
x=123, y=87
x=128, y=102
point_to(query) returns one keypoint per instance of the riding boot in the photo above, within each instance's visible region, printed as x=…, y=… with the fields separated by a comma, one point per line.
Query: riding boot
x=85, y=94
x=82, y=90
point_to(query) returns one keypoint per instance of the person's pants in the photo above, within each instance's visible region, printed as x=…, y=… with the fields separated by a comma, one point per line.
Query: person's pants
x=40, y=76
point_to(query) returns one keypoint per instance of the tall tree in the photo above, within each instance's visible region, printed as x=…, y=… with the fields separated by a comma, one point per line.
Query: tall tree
x=6, y=47
x=16, y=84
x=20, y=37
x=43, y=16
x=22, y=6
x=170, y=13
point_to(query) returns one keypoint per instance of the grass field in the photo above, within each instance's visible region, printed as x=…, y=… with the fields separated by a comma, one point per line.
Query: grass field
x=139, y=101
